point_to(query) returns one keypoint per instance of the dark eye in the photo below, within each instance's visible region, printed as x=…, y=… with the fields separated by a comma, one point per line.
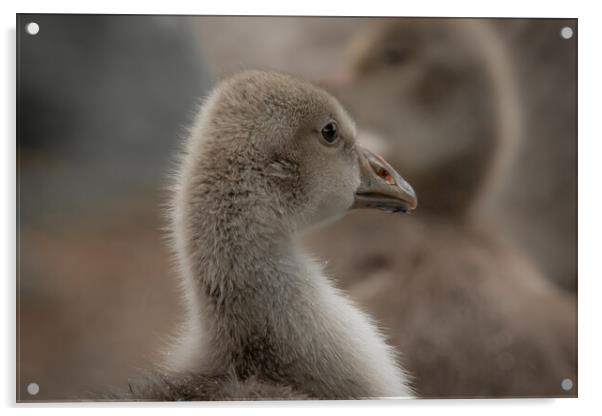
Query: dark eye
x=330, y=132
x=394, y=56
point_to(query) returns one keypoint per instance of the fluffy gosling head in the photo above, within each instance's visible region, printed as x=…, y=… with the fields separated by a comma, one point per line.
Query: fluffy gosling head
x=280, y=152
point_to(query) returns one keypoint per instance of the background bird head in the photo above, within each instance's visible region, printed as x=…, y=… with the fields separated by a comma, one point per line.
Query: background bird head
x=425, y=85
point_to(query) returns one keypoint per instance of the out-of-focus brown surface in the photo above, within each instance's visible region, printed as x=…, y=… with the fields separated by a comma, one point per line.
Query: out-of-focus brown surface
x=540, y=201
x=97, y=303
x=310, y=47
x=465, y=304
x=103, y=101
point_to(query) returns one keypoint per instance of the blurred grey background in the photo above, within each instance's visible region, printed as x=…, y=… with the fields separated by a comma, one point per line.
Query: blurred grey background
x=477, y=290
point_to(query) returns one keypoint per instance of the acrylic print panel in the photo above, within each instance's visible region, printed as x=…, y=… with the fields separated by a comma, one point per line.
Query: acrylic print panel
x=167, y=255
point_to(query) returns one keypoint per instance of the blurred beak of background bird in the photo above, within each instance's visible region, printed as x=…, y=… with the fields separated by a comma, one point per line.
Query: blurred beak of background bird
x=381, y=186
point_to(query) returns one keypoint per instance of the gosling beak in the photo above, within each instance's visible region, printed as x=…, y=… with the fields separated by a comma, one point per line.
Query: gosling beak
x=381, y=187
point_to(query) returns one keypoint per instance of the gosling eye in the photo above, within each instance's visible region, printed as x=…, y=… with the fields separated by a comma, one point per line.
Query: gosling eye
x=330, y=132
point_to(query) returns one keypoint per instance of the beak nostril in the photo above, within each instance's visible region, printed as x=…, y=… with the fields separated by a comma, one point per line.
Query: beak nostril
x=394, y=195
x=383, y=173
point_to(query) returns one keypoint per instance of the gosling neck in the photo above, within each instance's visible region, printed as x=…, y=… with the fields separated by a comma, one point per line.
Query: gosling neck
x=243, y=277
